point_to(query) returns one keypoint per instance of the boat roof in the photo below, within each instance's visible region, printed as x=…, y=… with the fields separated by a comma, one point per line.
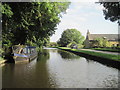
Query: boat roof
x=24, y=46
x=30, y=47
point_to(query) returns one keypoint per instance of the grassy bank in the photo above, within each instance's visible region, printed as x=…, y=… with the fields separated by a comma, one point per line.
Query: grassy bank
x=98, y=54
x=106, y=49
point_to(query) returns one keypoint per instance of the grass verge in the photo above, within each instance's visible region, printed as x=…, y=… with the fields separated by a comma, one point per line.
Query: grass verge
x=98, y=54
x=106, y=49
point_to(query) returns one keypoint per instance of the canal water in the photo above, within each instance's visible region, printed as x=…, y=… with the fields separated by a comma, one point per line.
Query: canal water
x=59, y=69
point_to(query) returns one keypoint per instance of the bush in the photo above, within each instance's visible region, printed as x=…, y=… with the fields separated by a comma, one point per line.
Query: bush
x=71, y=44
x=53, y=44
x=101, y=43
x=80, y=46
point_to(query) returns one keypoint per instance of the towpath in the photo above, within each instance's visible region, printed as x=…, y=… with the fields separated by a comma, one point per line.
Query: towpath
x=106, y=52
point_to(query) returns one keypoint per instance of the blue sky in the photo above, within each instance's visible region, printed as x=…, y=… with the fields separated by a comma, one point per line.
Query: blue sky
x=85, y=16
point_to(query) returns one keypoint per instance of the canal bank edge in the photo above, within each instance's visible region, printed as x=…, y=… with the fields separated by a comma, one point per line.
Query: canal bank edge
x=115, y=62
x=2, y=62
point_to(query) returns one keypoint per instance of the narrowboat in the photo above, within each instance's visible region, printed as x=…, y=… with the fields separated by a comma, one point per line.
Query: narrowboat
x=24, y=53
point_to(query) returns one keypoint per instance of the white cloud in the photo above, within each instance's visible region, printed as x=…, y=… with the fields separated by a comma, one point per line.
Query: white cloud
x=84, y=0
x=83, y=16
x=99, y=7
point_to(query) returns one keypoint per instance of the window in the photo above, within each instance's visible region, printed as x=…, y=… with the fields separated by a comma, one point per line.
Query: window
x=117, y=45
x=113, y=45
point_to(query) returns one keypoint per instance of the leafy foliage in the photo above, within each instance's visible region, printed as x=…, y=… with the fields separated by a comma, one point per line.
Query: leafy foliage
x=24, y=21
x=31, y=20
x=53, y=44
x=70, y=44
x=101, y=42
x=71, y=36
x=111, y=10
x=6, y=9
x=30, y=23
x=1, y=50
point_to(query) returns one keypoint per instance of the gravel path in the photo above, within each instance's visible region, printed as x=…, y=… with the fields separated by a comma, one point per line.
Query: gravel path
x=114, y=53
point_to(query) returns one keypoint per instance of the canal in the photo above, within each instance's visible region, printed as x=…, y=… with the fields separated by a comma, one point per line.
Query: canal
x=59, y=69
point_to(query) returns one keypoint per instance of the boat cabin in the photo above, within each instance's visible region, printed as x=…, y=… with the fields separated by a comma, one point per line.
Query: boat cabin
x=22, y=52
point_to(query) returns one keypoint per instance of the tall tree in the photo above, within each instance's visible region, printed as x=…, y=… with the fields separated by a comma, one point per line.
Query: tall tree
x=30, y=21
x=111, y=10
x=71, y=35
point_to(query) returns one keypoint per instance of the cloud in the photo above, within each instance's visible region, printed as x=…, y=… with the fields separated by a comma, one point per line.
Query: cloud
x=76, y=17
x=84, y=0
x=83, y=16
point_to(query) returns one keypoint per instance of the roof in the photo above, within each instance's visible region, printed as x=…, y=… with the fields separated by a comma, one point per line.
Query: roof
x=30, y=47
x=111, y=37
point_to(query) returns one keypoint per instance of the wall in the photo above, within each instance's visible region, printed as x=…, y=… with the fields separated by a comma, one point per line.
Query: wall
x=114, y=43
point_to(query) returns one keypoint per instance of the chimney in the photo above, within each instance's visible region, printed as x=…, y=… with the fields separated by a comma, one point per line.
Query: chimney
x=88, y=32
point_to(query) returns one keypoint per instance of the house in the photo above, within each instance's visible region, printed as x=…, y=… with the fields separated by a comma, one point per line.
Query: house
x=113, y=39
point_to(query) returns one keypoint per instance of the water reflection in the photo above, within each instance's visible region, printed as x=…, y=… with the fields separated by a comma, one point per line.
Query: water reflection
x=102, y=75
x=59, y=69
x=43, y=55
x=68, y=55
x=8, y=72
x=41, y=74
x=32, y=74
x=81, y=73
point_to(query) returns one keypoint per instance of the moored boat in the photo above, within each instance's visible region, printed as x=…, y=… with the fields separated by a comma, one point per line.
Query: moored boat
x=24, y=53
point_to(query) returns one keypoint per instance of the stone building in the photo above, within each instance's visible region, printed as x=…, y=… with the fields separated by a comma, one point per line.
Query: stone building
x=113, y=39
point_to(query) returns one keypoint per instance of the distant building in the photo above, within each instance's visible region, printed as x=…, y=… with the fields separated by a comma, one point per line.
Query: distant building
x=114, y=39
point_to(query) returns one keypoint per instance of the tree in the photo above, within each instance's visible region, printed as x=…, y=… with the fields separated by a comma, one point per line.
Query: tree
x=53, y=44
x=1, y=50
x=70, y=35
x=24, y=20
x=6, y=23
x=111, y=10
x=101, y=42
x=30, y=23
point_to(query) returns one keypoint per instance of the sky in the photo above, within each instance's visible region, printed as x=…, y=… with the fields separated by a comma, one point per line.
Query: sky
x=85, y=16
